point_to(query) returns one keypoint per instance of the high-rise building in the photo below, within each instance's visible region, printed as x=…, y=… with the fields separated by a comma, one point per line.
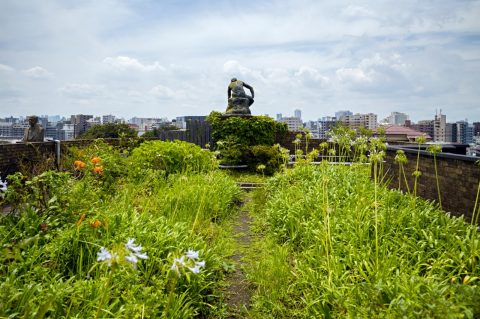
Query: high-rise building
x=298, y=114
x=293, y=123
x=439, y=128
x=67, y=132
x=313, y=127
x=476, y=128
x=108, y=119
x=450, y=132
x=425, y=126
x=80, y=124
x=358, y=120
x=325, y=124
x=279, y=116
x=397, y=118
x=339, y=115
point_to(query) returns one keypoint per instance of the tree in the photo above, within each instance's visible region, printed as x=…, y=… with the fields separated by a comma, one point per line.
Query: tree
x=109, y=130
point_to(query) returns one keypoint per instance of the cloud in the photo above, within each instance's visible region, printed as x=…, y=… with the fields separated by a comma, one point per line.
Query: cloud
x=162, y=92
x=353, y=11
x=125, y=63
x=310, y=76
x=37, y=72
x=235, y=69
x=82, y=91
x=6, y=68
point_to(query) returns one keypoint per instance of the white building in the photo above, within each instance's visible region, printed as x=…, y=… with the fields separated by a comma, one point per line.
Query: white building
x=68, y=132
x=358, y=120
x=108, y=119
x=397, y=118
x=440, y=128
x=339, y=115
x=293, y=123
x=297, y=113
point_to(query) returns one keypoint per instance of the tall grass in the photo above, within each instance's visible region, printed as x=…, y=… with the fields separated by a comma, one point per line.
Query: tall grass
x=385, y=260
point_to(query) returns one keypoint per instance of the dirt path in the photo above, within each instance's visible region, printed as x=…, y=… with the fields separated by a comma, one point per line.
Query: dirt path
x=238, y=293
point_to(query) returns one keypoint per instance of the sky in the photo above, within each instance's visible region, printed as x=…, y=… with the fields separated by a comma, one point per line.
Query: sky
x=170, y=58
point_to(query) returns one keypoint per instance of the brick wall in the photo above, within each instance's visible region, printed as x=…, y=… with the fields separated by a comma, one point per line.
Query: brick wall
x=287, y=142
x=40, y=155
x=458, y=178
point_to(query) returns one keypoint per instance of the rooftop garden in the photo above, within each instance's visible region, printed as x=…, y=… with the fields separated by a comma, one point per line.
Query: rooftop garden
x=149, y=232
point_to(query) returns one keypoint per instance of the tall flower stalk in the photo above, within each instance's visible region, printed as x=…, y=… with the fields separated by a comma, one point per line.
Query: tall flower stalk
x=476, y=211
x=434, y=149
x=376, y=158
x=401, y=160
x=420, y=140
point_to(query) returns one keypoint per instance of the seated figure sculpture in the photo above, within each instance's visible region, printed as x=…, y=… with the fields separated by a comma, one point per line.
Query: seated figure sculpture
x=238, y=101
x=35, y=132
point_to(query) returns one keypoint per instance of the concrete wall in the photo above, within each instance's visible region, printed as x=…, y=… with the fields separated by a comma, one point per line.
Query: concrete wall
x=458, y=178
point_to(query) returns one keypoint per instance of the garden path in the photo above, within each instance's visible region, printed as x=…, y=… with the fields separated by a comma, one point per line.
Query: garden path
x=238, y=292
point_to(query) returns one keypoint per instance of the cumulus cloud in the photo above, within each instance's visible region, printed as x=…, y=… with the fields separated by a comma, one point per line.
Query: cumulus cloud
x=235, y=69
x=295, y=53
x=37, y=72
x=125, y=63
x=311, y=76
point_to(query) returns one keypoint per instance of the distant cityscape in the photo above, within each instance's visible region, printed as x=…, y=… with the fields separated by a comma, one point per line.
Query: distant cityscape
x=396, y=125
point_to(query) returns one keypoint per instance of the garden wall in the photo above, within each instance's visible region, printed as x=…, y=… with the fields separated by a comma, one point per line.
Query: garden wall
x=458, y=178
x=40, y=155
x=286, y=141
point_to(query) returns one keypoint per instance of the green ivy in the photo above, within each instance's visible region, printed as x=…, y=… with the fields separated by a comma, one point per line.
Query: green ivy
x=255, y=130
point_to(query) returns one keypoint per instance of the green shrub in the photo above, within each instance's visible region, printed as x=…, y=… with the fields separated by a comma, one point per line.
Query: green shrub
x=171, y=157
x=269, y=156
x=248, y=131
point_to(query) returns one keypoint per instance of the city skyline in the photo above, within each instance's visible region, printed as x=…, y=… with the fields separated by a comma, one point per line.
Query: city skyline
x=165, y=59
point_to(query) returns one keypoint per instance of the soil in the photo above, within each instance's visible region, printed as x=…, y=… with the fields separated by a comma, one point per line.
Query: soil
x=239, y=292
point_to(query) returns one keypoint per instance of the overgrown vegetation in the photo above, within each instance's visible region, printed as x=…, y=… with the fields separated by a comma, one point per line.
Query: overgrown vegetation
x=116, y=236
x=338, y=246
x=248, y=141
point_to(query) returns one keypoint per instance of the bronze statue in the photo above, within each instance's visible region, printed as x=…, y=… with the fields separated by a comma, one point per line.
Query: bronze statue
x=238, y=101
x=35, y=132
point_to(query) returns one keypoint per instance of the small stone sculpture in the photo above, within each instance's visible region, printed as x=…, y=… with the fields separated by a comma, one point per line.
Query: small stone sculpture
x=35, y=132
x=238, y=101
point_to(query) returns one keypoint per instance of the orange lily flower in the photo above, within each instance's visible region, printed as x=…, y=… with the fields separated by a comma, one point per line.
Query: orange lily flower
x=98, y=169
x=96, y=224
x=79, y=164
x=96, y=160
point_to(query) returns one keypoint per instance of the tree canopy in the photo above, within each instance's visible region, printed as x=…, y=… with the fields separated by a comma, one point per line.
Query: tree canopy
x=109, y=130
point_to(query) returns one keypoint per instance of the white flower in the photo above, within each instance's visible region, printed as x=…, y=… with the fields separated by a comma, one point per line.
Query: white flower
x=195, y=269
x=3, y=186
x=103, y=254
x=132, y=259
x=192, y=254
x=198, y=265
x=131, y=245
x=178, y=261
x=141, y=255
